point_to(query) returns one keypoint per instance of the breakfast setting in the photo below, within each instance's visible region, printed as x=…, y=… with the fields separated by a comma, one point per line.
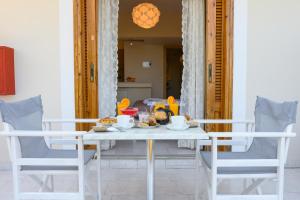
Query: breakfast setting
x=162, y=115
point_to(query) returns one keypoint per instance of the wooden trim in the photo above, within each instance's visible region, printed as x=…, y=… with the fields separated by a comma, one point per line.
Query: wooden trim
x=228, y=79
x=85, y=59
x=78, y=77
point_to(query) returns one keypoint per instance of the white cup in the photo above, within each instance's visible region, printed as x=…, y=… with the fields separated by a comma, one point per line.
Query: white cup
x=178, y=121
x=143, y=116
x=124, y=121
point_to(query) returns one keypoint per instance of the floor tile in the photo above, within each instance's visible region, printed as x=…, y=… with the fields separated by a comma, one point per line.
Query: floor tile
x=130, y=184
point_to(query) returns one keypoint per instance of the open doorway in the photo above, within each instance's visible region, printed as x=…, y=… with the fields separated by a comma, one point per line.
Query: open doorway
x=218, y=68
x=150, y=65
x=174, y=65
x=147, y=52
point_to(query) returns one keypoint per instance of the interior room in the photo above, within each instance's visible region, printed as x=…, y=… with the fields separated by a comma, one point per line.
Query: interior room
x=149, y=55
x=150, y=66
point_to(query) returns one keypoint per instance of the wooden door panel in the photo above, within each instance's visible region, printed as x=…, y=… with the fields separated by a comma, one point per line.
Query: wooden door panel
x=219, y=62
x=85, y=57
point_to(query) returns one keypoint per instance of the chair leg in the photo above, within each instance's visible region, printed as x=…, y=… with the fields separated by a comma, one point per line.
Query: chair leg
x=197, y=171
x=39, y=182
x=208, y=184
x=16, y=176
x=99, y=194
x=259, y=190
x=214, y=178
x=52, y=183
x=280, y=169
x=44, y=184
x=245, y=184
x=254, y=186
x=81, y=178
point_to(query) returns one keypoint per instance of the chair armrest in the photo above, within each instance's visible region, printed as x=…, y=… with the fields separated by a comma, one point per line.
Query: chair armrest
x=252, y=134
x=56, y=141
x=221, y=121
x=43, y=133
x=70, y=121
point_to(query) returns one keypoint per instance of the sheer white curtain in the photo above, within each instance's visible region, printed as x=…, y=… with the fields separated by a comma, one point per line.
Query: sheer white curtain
x=108, y=60
x=192, y=91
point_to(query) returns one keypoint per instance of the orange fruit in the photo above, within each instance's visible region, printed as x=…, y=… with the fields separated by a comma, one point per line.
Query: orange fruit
x=125, y=102
x=171, y=100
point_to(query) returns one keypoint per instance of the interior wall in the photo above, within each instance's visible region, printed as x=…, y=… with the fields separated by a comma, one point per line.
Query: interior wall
x=273, y=57
x=135, y=54
x=31, y=27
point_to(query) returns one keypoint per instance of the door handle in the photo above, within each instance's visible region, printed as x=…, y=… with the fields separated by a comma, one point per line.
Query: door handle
x=92, y=72
x=209, y=73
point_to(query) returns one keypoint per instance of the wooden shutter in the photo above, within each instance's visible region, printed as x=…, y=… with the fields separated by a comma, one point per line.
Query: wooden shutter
x=85, y=56
x=219, y=56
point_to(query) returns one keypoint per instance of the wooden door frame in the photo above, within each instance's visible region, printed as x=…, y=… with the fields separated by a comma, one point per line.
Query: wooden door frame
x=83, y=110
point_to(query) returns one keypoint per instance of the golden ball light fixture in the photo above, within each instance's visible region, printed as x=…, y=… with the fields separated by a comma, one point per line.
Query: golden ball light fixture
x=145, y=15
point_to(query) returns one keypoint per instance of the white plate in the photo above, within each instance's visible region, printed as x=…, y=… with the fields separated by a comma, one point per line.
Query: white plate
x=147, y=127
x=174, y=128
x=123, y=128
x=104, y=129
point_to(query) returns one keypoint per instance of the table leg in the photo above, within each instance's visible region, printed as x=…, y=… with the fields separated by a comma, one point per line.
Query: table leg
x=150, y=169
x=197, y=171
x=99, y=195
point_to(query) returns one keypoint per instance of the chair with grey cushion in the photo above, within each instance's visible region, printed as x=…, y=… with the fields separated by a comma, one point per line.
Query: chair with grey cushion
x=23, y=122
x=266, y=156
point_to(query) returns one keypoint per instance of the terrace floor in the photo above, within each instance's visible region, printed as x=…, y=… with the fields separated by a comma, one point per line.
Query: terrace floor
x=173, y=182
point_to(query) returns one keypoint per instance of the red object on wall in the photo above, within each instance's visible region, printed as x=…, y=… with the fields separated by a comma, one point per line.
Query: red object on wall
x=7, y=73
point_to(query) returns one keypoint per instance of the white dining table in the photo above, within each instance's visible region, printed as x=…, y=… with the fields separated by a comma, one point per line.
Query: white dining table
x=149, y=135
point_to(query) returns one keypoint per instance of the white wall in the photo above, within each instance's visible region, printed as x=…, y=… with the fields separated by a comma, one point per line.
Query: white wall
x=66, y=41
x=32, y=28
x=273, y=56
x=240, y=66
x=135, y=54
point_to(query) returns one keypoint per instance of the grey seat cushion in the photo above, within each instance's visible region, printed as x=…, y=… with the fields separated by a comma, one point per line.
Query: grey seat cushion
x=269, y=117
x=28, y=115
x=88, y=155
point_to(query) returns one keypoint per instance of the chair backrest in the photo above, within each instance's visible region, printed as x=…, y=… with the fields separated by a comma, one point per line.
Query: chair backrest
x=271, y=116
x=26, y=115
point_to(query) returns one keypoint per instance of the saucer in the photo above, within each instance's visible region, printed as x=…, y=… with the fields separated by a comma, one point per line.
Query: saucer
x=122, y=127
x=176, y=128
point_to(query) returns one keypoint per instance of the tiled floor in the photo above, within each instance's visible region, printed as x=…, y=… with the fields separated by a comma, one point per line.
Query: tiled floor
x=130, y=184
x=129, y=148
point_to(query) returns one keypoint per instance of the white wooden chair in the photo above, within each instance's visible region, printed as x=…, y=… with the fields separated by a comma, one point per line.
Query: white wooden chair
x=30, y=154
x=48, y=167
x=264, y=157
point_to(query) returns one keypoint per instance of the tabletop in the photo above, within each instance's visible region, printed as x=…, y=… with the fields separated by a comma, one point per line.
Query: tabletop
x=159, y=133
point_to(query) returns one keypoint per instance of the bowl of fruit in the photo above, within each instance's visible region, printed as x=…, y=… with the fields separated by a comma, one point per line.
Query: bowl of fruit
x=130, y=111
